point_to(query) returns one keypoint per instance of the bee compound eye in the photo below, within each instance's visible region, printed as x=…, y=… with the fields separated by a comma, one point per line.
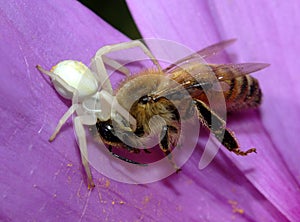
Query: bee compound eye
x=144, y=99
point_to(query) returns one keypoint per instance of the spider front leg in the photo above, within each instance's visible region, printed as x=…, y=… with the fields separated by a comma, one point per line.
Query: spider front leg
x=79, y=121
x=56, y=78
x=218, y=127
x=116, y=65
x=99, y=60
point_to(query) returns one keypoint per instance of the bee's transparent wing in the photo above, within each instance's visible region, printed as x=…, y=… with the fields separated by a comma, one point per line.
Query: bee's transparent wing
x=215, y=48
x=230, y=71
x=204, y=73
x=204, y=53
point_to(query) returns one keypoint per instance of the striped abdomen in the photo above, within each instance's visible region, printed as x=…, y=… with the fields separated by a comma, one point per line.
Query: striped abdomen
x=240, y=93
x=244, y=92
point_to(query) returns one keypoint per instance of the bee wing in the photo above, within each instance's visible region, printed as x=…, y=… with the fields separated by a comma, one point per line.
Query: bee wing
x=230, y=71
x=215, y=48
x=203, y=53
x=215, y=72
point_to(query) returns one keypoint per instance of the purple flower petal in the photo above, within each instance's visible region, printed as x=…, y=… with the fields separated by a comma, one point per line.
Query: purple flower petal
x=42, y=181
x=264, y=36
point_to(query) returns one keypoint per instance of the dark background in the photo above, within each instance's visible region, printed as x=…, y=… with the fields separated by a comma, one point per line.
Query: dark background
x=115, y=13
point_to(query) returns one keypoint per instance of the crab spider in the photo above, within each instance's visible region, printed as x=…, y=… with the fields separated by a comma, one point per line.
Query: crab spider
x=92, y=91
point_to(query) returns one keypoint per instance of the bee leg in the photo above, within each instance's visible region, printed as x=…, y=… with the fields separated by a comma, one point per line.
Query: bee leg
x=218, y=127
x=165, y=146
x=230, y=142
x=124, y=158
x=146, y=150
x=128, y=139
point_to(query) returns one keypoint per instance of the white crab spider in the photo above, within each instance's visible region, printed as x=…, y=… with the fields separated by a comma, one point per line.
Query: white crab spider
x=93, y=91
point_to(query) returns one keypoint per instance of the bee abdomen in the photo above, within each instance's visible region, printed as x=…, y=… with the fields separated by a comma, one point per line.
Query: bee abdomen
x=244, y=93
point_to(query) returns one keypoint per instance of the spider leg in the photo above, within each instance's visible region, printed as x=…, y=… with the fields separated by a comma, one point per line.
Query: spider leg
x=116, y=65
x=79, y=121
x=63, y=120
x=107, y=102
x=218, y=127
x=98, y=61
x=56, y=78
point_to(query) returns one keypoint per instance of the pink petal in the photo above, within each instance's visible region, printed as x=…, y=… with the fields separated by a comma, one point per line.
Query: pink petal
x=42, y=181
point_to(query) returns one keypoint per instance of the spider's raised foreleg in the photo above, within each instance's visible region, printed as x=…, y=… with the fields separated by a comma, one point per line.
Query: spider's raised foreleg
x=99, y=60
x=56, y=78
x=115, y=65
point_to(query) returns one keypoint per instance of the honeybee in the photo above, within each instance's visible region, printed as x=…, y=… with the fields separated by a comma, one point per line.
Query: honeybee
x=162, y=97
